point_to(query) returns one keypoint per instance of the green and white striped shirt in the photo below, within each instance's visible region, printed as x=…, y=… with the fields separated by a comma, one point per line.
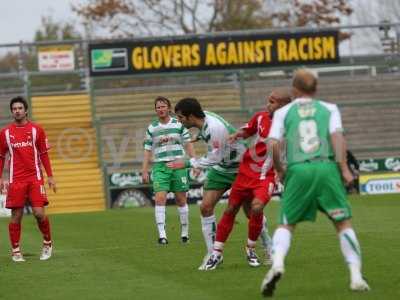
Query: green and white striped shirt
x=166, y=140
x=221, y=155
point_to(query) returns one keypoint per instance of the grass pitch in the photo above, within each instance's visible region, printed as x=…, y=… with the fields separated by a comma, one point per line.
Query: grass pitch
x=114, y=255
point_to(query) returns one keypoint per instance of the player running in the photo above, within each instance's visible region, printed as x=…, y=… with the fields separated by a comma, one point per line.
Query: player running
x=313, y=181
x=254, y=183
x=27, y=146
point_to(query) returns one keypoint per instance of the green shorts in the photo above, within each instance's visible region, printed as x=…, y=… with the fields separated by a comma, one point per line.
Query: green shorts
x=169, y=180
x=313, y=186
x=217, y=180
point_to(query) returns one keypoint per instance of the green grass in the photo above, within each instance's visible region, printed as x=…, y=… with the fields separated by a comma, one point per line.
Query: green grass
x=114, y=255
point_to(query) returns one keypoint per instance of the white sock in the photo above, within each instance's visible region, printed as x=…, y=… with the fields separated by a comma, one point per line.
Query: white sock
x=218, y=248
x=265, y=238
x=251, y=244
x=184, y=219
x=281, y=244
x=351, y=252
x=160, y=220
x=208, y=227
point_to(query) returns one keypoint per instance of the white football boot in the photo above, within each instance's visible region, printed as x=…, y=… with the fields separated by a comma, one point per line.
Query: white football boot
x=204, y=262
x=213, y=262
x=47, y=250
x=252, y=257
x=359, y=286
x=16, y=255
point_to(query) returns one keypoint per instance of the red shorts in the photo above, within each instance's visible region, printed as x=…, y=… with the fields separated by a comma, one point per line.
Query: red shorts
x=20, y=192
x=246, y=188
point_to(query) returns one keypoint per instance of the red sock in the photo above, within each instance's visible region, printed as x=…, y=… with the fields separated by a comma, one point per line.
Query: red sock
x=14, y=231
x=255, y=226
x=44, y=227
x=224, y=227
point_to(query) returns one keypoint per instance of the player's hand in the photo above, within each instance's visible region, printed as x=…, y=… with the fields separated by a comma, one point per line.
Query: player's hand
x=3, y=186
x=145, y=177
x=233, y=138
x=348, y=177
x=176, y=164
x=196, y=172
x=52, y=184
x=281, y=175
x=194, y=139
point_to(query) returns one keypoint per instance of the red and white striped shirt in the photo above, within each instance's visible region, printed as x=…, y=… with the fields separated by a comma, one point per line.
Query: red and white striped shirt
x=25, y=144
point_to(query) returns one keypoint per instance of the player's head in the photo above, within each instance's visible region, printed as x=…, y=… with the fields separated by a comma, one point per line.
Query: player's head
x=304, y=83
x=188, y=111
x=277, y=99
x=162, y=106
x=19, y=108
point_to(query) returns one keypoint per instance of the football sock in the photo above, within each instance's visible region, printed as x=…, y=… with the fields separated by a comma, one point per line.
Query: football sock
x=251, y=243
x=264, y=235
x=160, y=220
x=351, y=252
x=14, y=231
x=208, y=229
x=218, y=248
x=255, y=226
x=184, y=219
x=224, y=227
x=280, y=246
x=44, y=227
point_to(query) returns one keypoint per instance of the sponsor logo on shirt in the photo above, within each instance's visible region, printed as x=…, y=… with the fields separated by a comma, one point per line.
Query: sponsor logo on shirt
x=165, y=140
x=22, y=144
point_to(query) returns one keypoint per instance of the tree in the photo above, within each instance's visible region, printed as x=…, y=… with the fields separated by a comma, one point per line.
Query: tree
x=127, y=18
x=51, y=30
x=310, y=13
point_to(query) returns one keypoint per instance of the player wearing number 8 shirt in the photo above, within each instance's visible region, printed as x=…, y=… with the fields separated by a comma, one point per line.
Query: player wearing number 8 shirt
x=27, y=146
x=316, y=161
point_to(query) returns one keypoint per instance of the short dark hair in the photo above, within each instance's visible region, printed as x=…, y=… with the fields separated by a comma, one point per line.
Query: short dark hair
x=162, y=99
x=19, y=99
x=190, y=106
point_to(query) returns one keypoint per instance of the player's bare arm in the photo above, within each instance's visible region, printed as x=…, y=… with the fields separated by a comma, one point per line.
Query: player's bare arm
x=192, y=154
x=2, y=182
x=145, y=166
x=339, y=146
x=44, y=157
x=190, y=150
x=52, y=183
x=238, y=135
x=274, y=146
